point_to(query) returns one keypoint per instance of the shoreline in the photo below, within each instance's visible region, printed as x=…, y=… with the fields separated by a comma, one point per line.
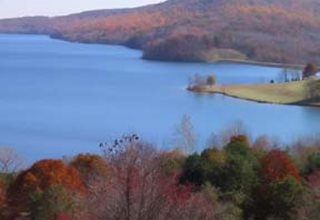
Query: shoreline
x=260, y=63
x=258, y=101
x=232, y=61
x=292, y=93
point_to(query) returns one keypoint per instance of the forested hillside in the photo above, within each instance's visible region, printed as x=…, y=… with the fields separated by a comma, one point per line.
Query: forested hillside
x=196, y=30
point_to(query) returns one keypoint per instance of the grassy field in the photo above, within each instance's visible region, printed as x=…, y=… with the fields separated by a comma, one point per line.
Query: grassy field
x=278, y=93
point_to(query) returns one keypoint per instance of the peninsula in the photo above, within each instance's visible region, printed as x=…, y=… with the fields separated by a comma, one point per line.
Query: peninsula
x=295, y=87
x=289, y=93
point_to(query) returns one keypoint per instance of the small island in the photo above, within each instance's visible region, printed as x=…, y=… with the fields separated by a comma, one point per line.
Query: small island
x=294, y=90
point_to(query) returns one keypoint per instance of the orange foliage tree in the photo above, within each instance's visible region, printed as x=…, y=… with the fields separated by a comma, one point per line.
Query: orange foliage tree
x=48, y=185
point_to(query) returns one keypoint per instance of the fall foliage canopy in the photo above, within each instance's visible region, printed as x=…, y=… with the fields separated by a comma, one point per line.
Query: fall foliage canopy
x=277, y=165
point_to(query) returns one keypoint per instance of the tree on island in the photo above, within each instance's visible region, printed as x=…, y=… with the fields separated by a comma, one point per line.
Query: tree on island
x=197, y=82
x=211, y=80
x=310, y=69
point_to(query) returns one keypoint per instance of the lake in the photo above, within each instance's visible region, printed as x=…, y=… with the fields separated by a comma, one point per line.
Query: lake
x=60, y=98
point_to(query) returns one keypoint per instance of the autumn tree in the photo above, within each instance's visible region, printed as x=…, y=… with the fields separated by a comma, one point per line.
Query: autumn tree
x=280, y=187
x=310, y=70
x=235, y=129
x=140, y=189
x=90, y=167
x=46, y=189
x=276, y=166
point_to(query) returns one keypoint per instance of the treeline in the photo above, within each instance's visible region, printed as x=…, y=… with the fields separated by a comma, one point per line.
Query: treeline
x=236, y=179
x=195, y=30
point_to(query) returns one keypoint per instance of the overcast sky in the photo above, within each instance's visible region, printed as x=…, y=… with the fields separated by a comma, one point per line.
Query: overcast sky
x=18, y=8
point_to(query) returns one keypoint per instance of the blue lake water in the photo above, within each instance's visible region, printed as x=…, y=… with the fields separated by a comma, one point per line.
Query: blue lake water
x=59, y=98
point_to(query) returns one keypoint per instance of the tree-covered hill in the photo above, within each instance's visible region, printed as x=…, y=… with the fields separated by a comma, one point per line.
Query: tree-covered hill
x=195, y=30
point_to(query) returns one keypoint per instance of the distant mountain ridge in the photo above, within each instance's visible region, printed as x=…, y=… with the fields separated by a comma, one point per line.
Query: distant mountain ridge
x=286, y=31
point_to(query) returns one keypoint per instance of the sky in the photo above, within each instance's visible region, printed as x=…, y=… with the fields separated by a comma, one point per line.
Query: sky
x=19, y=8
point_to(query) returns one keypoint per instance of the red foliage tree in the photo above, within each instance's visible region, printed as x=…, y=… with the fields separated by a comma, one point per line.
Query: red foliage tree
x=141, y=189
x=276, y=166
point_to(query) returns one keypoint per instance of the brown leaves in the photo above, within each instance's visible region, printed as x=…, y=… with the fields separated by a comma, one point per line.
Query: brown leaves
x=43, y=175
x=239, y=138
x=141, y=189
x=90, y=167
